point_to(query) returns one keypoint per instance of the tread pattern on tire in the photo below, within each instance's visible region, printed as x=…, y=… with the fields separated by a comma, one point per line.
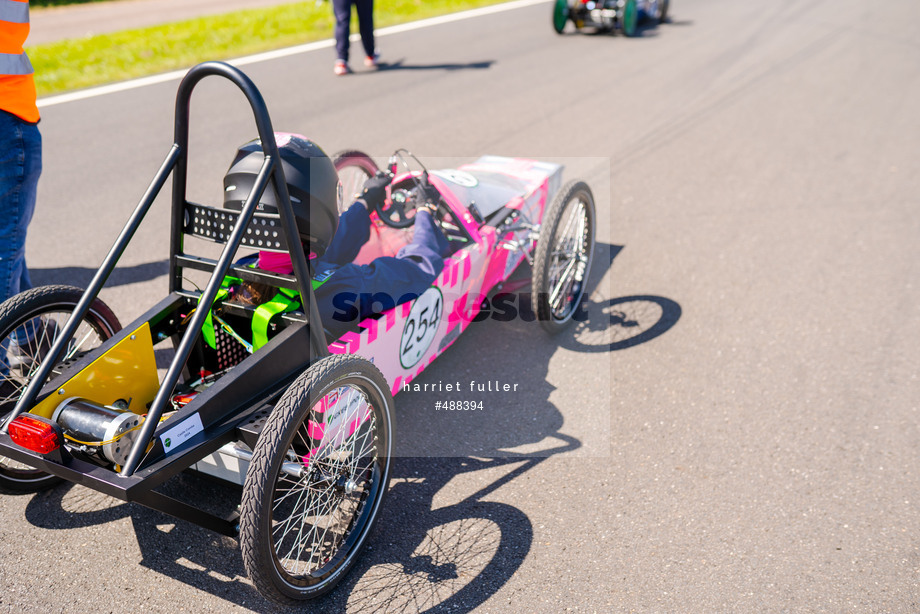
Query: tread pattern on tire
x=256, y=560
x=548, y=227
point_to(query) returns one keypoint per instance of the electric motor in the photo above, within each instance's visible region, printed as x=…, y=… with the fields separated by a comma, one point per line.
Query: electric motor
x=105, y=431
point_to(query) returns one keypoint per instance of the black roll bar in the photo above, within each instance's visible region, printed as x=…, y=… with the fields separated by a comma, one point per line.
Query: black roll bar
x=177, y=163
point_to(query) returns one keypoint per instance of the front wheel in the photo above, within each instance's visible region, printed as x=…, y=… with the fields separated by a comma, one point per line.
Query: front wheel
x=563, y=257
x=354, y=168
x=317, y=479
x=30, y=322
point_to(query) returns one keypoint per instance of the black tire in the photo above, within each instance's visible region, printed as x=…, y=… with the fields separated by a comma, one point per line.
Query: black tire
x=354, y=168
x=296, y=438
x=53, y=305
x=629, y=18
x=563, y=259
x=560, y=15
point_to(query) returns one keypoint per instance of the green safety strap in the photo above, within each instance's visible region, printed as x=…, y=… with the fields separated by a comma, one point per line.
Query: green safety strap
x=286, y=300
x=283, y=302
x=207, y=331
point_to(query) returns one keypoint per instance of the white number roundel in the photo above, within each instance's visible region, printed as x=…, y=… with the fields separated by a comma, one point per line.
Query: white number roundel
x=421, y=327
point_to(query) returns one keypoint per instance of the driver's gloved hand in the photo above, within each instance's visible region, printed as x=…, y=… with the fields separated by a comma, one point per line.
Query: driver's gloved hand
x=374, y=192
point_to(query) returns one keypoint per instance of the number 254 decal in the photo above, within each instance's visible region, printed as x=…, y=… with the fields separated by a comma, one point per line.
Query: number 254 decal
x=421, y=327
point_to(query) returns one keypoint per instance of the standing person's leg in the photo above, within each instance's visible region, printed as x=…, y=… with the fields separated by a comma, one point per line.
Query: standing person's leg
x=366, y=27
x=20, y=168
x=342, y=11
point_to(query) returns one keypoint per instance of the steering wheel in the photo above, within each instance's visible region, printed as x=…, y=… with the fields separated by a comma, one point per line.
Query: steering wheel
x=394, y=212
x=407, y=196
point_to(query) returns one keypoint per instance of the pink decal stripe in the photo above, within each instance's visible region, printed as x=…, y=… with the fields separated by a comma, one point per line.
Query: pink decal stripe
x=406, y=308
x=352, y=341
x=396, y=386
x=391, y=319
x=467, y=268
x=371, y=325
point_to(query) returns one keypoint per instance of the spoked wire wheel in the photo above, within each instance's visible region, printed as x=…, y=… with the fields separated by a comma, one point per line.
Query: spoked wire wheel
x=317, y=479
x=354, y=168
x=30, y=323
x=563, y=257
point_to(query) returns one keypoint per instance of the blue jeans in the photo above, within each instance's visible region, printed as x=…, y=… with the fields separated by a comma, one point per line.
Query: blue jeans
x=20, y=167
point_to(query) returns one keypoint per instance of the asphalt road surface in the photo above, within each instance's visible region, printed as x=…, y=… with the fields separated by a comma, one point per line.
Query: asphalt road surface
x=735, y=429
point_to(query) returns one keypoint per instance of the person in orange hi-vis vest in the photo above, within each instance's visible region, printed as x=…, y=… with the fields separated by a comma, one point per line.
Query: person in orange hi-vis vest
x=20, y=166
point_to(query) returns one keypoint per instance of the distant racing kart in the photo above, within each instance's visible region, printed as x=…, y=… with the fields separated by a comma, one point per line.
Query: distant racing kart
x=608, y=15
x=258, y=394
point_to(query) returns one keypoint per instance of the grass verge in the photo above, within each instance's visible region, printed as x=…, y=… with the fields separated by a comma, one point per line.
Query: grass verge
x=105, y=58
x=44, y=3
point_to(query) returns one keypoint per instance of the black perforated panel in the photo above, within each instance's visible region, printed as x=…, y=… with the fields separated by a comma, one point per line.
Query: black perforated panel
x=230, y=352
x=263, y=232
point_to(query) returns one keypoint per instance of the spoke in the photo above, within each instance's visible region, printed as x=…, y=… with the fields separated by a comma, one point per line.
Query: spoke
x=314, y=514
x=556, y=293
x=572, y=248
x=301, y=540
x=568, y=223
x=78, y=345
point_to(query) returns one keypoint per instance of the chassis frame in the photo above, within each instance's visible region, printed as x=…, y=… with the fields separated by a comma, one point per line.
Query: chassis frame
x=233, y=409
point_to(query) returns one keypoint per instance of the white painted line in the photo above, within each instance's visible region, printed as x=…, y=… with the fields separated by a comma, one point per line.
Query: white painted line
x=288, y=51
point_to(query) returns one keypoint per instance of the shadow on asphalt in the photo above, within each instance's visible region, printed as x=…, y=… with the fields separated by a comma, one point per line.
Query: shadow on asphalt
x=623, y=322
x=645, y=29
x=81, y=276
x=400, y=65
x=439, y=545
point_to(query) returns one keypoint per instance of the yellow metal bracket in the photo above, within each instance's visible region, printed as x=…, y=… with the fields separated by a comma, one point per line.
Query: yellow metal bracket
x=128, y=371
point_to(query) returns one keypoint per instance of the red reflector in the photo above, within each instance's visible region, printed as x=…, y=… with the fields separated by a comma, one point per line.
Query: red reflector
x=34, y=434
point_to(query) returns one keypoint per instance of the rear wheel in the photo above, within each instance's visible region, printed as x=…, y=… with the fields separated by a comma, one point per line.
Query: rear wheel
x=30, y=322
x=629, y=18
x=563, y=256
x=354, y=168
x=560, y=15
x=317, y=479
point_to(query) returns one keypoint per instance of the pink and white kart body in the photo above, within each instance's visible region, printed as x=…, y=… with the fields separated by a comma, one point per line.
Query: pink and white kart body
x=403, y=341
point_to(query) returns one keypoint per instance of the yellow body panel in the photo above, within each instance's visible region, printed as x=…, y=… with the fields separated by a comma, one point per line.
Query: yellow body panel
x=127, y=371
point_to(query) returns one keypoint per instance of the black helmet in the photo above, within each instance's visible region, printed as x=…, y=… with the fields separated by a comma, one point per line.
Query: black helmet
x=311, y=181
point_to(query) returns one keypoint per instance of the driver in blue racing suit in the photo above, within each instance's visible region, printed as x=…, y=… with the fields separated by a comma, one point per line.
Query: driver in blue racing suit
x=352, y=292
x=347, y=293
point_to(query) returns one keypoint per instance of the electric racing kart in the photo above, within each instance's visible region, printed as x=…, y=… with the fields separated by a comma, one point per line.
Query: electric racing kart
x=608, y=15
x=259, y=394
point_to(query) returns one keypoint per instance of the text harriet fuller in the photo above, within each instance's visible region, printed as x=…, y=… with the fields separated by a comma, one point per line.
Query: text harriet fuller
x=489, y=386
